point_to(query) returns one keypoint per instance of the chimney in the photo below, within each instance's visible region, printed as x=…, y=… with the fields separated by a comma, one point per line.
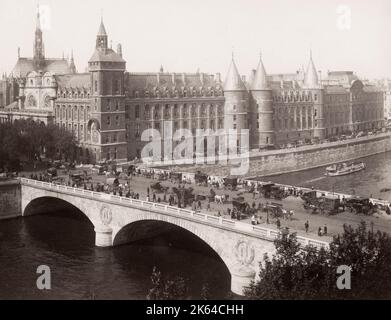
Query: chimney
x=119, y=49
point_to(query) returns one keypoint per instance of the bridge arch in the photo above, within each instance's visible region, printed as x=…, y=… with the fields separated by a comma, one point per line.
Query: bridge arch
x=50, y=204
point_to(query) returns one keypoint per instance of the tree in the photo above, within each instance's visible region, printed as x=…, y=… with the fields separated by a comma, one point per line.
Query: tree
x=166, y=289
x=295, y=273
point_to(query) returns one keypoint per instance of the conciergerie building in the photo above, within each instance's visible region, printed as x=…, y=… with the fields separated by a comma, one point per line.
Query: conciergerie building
x=108, y=107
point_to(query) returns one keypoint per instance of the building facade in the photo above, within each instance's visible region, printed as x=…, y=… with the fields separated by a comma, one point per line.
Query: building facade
x=108, y=108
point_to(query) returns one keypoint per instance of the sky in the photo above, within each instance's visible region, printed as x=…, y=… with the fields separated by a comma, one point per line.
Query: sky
x=191, y=35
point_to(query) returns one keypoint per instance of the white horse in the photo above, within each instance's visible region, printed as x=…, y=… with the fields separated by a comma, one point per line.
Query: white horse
x=219, y=199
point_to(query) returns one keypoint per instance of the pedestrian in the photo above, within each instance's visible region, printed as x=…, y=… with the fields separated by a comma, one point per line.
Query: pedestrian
x=325, y=230
x=278, y=223
x=320, y=231
x=208, y=207
x=154, y=197
x=199, y=204
x=147, y=190
x=306, y=226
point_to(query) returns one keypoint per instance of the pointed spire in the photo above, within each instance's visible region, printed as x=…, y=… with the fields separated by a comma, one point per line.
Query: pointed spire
x=311, y=79
x=102, y=29
x=38, y=27
x=260, y=77
x=233, y=81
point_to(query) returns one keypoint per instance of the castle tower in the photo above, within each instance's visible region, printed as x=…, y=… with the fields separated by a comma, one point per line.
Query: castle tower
x=236, y=106
x=107, y=124
x=312, y=84
x=39, y=49
x=262, y=128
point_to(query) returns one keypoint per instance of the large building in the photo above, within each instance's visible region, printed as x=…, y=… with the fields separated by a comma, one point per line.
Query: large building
x=108, y=108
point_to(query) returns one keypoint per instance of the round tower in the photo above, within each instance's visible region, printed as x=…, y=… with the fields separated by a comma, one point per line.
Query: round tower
x=262, y=127
x=312, y=84
x=236, y=105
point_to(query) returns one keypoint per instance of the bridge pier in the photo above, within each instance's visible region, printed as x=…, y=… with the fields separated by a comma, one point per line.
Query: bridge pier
x=103, y=236
x=241, y=277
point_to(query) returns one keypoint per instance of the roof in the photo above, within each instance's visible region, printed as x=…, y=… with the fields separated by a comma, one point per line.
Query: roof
x=153, y=81
x=335, y=89
x=102, y=29
x=26, y=65
x=260, y=78
x=106, y=55
x=311, y=76
x=233, y=82
x=79, y=80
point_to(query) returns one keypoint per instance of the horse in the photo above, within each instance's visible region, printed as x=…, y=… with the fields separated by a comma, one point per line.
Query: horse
x=219, y=199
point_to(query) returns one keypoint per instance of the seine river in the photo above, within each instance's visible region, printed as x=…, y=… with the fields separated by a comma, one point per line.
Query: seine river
x=65, y=242
x=371, y=181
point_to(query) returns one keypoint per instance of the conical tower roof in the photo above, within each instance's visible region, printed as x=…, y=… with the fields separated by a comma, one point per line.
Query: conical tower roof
x=311, y=76
x=233, y=82
x=260, y=78
x=102, y=29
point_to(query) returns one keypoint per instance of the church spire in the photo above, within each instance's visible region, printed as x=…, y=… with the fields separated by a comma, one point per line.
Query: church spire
x=72, y=65
x=39, y=54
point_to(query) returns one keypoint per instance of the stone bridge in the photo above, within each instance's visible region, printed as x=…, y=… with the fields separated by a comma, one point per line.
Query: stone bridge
x=117, y=220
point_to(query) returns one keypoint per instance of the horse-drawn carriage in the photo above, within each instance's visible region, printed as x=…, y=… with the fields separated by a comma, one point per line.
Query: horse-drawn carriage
x=360, y=205
x=184, y=195
x=176, y=177
x=158, y=188
x=323, y=204
x=270, y=190
x=201, y=178
x=231, y=183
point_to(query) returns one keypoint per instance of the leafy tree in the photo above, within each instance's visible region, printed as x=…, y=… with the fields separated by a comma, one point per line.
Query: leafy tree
x=294, y=273
x=166, y=289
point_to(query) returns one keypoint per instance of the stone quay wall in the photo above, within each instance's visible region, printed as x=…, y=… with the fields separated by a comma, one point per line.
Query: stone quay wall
x=273, y=162
x=317, y=156
x=10, y=199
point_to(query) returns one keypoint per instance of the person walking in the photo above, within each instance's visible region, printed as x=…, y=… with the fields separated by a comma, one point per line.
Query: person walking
x=306, y=226
x=320, y=231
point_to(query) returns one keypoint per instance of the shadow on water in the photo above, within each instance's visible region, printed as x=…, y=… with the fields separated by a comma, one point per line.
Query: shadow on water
x=64, y=241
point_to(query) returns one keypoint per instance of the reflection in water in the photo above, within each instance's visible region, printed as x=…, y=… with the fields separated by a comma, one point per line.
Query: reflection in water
x=375, y=177
x=82, y=271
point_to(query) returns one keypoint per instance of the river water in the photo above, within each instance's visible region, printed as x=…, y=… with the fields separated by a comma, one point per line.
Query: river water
x=64, y=241
x=370, y=181
x=79, y=270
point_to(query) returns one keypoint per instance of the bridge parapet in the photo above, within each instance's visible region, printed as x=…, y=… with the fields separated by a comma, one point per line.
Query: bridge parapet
x=219, y=222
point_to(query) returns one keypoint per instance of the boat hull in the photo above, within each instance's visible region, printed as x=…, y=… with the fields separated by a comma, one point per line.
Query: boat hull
x=345, y=172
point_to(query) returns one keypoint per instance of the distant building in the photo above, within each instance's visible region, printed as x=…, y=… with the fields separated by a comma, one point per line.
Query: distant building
x=108, y=108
